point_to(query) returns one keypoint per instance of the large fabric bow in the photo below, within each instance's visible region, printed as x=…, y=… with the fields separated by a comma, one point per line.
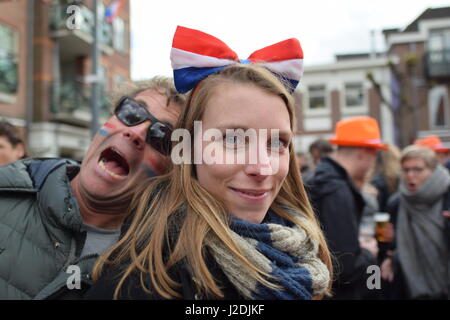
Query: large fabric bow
x=195, y=55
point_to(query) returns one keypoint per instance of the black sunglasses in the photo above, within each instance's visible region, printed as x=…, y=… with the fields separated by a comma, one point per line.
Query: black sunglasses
x=132, y=113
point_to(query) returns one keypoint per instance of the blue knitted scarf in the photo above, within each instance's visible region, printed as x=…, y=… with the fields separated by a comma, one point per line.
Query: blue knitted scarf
x=281, y=249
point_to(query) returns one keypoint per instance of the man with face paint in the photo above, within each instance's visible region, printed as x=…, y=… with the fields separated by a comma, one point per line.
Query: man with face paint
x=57, y=217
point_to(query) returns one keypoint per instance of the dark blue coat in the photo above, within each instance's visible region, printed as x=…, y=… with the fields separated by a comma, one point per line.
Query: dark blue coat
x=339, y=207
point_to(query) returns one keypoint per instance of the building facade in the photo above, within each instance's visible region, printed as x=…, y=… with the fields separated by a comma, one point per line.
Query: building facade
x=422, y=75
x=332, y=92
x=13, y=57
x=405, y=88
x=62, y=70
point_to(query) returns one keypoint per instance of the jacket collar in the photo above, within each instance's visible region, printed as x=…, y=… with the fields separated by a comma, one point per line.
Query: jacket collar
x=334, y=170
x=14, y=177
x=55, y=196
x=57, y=199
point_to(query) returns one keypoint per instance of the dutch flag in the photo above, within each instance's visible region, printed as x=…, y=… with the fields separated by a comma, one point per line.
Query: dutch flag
x=113, y=10
x=196, y=54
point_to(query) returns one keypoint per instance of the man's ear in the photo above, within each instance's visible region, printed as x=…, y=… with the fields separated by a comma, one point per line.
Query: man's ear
x=360, y=153
x=19, y=151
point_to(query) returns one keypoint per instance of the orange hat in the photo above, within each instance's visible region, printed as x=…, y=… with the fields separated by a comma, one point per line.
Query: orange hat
x=358, y=132
x=432, y=142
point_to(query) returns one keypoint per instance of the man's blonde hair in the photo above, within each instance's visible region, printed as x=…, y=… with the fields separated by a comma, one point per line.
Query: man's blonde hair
x=163, y=85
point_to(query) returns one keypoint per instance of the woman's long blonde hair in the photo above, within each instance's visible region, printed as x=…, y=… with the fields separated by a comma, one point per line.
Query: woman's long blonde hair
x=148, y=246
x=388, y=165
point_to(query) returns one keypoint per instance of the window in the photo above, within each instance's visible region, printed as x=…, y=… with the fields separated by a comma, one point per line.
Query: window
x=119, y=34
x=105, y=87
x=439, y=39
x=439, y=118
x=101, y=10
x=438, y=101
x=8, y=60
x=354, y=95
x=439, y=45
x=316, y=97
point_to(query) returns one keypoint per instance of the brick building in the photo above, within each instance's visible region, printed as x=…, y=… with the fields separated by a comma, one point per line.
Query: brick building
x=61, y=70
x=331, y=92
x=422, y=75
x=408, y=93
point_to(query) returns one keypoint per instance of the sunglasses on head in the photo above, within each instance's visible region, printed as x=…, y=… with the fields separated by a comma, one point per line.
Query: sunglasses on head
x=132, y=113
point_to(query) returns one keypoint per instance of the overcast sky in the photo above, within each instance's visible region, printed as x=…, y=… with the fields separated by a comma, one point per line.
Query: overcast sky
x=324, y=27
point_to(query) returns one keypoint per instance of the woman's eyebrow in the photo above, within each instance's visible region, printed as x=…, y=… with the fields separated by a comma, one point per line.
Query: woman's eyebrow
x=240, y=127
x=235, y=125
x=232, y=127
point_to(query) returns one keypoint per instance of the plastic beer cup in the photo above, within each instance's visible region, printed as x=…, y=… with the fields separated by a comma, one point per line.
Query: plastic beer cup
x=381, y=222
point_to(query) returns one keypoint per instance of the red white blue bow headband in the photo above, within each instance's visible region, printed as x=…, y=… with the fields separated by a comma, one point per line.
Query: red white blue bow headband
x=195, y=55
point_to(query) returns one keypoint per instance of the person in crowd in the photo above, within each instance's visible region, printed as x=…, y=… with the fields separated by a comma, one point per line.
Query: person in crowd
x=435, y=144
x=320, y=148
x=370, y=195
x=303, y=162
x=56, y=217
x=317, y=150
x=334, y=190
x=224, y=230
x=12, y=147
x=420, y=262
x=386, y=179
x=387, y=175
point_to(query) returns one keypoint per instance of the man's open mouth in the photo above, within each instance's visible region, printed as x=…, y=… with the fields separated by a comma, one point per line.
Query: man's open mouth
x=114, y=163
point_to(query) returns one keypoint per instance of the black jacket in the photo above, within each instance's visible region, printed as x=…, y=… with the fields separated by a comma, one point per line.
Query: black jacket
x=103, y=288
x=339, y=206
x=379, y=182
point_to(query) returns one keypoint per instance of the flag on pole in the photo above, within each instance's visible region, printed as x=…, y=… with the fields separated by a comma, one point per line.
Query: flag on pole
x=113, y=10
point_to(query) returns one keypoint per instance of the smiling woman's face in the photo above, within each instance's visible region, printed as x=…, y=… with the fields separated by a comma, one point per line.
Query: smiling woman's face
x=247, y=190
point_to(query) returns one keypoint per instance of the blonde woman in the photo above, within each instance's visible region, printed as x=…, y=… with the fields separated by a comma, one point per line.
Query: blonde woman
x=387, y=175
x=420, y=261
x=224, y=231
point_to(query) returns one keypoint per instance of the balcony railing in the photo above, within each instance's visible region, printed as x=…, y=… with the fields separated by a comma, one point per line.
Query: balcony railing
x=59, y=18
x=437, y=63
x=9, y=80
x=72, y=102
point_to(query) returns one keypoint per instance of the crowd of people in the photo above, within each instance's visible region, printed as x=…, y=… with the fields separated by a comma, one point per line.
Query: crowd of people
x=131, y=223
x=355, y=185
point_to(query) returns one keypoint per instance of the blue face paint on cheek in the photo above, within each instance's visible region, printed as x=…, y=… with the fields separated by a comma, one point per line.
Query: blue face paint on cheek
x=103, y=132
x=148, y=171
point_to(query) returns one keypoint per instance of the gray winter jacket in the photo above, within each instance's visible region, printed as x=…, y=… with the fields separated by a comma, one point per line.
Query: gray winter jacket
x=40, y=232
